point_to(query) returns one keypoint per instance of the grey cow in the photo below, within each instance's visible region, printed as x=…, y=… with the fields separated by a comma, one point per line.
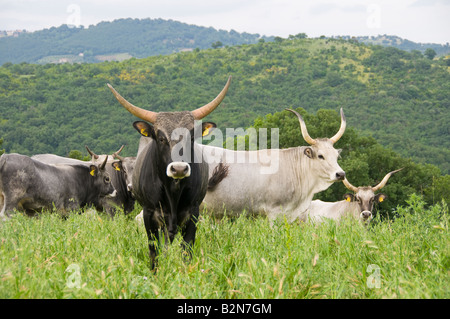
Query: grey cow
x=120, y=172
x=29, y=185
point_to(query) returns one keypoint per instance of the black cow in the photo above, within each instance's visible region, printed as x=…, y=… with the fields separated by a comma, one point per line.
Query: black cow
x=31, y=186
x=170, y=189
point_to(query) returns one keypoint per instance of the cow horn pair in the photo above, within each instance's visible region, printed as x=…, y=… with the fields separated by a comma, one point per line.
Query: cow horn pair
x=375, y=188
x=312, y=141
x=95, y=156
x=150, y=116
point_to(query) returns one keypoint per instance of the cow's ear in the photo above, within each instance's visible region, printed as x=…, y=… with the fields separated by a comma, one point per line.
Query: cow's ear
x=349, y=197
x=380, y=198
x=93, y=170
x=117, y=166
x=207, y=127
x=144, y=128
x=309, y=152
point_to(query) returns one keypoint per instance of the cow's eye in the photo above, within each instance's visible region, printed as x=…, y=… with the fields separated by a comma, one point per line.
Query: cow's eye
x=321, y=157
x=107, y=179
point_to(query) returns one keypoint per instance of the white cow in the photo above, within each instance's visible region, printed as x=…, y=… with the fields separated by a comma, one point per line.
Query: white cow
x=358, y=205
x=302, y=172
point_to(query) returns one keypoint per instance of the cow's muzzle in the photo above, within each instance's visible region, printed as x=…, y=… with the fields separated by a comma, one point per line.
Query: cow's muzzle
x=113, y=194
x=366, y=215
x=340, y=176
x=178, y=170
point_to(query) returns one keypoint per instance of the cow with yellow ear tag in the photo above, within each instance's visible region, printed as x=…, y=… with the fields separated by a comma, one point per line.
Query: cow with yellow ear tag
x=170, y=176
x=358, y=205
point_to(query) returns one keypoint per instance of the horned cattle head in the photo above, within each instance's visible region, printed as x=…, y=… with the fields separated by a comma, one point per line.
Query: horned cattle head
x=322, y=153
x=173, y=132
x=365, y=196
x=95, y=158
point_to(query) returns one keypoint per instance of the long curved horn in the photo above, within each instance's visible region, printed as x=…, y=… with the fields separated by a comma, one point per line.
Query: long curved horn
x=116, y=154
x=203, y=111
x=95, y=156
x=145, y=115
x=305, y=134
x=349, y=186
x=384, y=180
x=341, y=131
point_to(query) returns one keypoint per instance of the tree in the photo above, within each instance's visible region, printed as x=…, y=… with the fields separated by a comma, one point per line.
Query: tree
x=430, y=53
x=217, y=44
x=278, y=39
x=76, y=154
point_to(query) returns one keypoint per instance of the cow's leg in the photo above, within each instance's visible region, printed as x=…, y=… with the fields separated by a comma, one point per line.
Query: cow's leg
x=9, y=205
x=189, y=230
x=155, y=228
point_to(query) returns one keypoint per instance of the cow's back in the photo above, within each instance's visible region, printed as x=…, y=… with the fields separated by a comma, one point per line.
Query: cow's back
x=261, y=187
x=27, y=183
x=56, y=159
x=319, y=210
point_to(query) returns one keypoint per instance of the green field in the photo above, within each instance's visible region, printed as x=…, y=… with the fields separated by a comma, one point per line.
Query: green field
x=92, y=256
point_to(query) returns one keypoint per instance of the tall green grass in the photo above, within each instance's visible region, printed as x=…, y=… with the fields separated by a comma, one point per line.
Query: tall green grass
x=92, y=256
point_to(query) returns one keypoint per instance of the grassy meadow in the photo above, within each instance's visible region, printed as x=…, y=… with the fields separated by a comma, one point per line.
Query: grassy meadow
x=92, y=256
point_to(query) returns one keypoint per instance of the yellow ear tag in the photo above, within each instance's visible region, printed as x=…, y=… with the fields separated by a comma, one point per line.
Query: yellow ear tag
x=117, y=168
x=348, y=199
x=380, y=199
x=144, y=132
x=205, y=132
x=92, y=172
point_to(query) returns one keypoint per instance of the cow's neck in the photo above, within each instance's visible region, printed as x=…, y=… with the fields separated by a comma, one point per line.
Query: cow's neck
x=303, y=182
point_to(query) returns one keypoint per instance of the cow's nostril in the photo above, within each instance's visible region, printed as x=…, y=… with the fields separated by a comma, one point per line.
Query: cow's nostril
x=340, y=175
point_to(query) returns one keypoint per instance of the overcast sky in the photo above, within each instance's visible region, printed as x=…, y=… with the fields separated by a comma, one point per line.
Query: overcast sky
x=416, y=20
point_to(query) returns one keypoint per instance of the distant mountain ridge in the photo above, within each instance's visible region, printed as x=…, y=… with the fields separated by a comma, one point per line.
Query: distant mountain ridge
x=126, y=38
x=400, y=43
x=116, y=40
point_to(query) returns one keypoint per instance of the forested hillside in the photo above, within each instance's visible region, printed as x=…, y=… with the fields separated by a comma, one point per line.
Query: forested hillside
x=399, y=98
x=117, y=40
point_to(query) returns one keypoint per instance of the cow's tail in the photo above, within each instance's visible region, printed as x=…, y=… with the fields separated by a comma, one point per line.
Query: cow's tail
x=219, y=173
